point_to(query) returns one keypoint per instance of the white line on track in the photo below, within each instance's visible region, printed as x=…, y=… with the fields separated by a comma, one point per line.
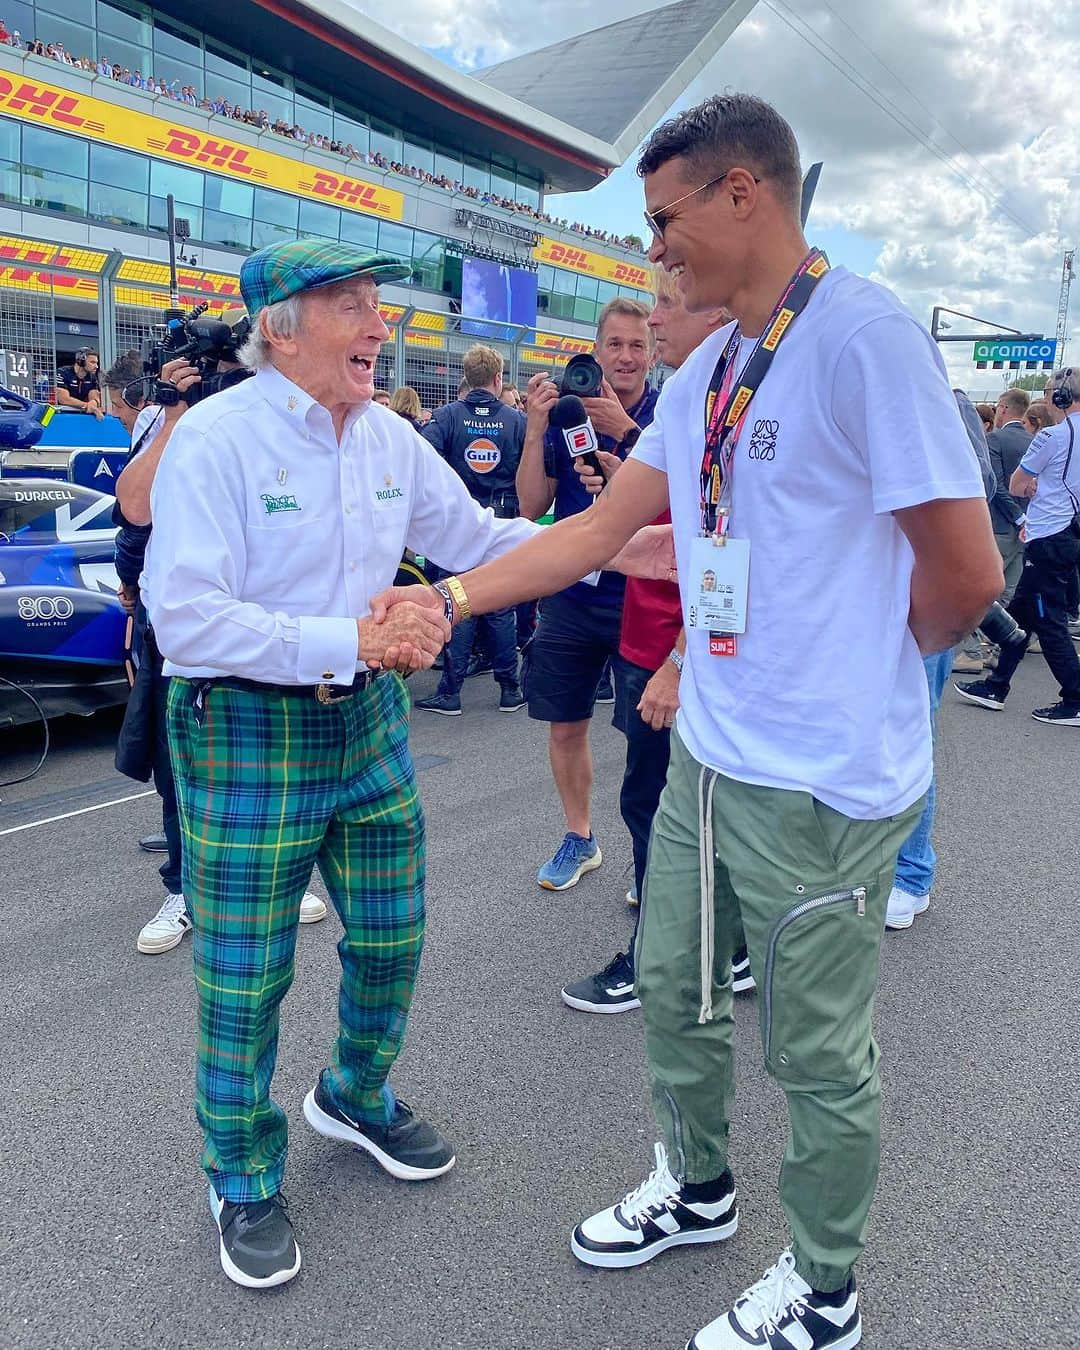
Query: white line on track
x=116, y=801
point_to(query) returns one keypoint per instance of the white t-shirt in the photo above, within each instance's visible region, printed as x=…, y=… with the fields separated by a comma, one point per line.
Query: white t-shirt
x=854, y=420
x=1057, y=497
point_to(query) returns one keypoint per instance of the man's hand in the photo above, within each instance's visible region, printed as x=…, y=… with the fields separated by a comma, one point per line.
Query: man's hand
x=660, y=700
x=406, y=631
x=593, y=482
x=543, y=394
x=97, y=410
x=649, y=554
x=128, y=596
x=607, y=414
x=181, y=374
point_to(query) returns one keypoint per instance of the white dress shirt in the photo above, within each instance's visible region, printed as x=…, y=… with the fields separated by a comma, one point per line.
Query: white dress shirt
x=270, y=539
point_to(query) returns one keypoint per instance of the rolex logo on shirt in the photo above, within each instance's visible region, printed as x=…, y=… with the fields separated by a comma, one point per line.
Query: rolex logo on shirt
x=388, y=494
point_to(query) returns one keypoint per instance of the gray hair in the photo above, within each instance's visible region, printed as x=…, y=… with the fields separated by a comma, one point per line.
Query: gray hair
x=282, y=319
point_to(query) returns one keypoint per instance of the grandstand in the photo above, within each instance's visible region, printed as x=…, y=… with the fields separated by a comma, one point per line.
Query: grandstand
x=268, y=119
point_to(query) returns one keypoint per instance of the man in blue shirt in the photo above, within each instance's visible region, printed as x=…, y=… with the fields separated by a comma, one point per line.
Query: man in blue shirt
x=578, y=631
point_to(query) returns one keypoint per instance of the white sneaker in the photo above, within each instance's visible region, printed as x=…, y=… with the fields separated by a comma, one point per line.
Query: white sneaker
x=312, y=909
x=782, y=1310
x=166, y=929
x=902, y=908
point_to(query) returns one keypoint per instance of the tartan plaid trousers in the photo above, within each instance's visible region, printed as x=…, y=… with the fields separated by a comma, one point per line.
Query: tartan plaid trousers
x=269, y=784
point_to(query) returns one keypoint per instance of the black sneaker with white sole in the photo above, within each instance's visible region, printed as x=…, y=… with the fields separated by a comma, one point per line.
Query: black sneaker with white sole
x=653, y=1218
x=742, y=981
x=782, y=1312
x=407, y=1148
x=609, y=991
x=447, y=704
x=256, y=1242
x=983, y=693
x=511, y=698
x=1059, y=715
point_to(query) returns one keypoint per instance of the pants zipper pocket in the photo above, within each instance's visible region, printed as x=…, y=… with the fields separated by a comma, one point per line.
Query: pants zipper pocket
x=857, y=896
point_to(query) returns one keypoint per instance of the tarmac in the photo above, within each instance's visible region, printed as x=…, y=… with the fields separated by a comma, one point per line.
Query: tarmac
x=105, y=1236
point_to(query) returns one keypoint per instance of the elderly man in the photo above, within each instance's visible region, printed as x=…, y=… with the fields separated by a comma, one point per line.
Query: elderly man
x=280, y=507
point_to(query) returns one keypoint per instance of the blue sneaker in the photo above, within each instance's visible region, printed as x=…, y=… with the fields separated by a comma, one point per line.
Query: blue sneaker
x=573, y=857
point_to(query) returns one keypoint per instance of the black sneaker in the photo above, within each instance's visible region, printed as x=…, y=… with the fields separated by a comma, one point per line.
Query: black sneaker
x=604, y=692
x=1059, y=715
x=447, y=704
x=741, y=978
x=650, y=1220
x=154, y=843
x=477, y=665
x=782, y=1311
x=256, y=1246
x=983, y=693
x=611, y=991
x=511, y=698
x=407, y=1148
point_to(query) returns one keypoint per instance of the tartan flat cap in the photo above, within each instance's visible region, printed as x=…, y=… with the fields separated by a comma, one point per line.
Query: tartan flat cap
x=282, y=270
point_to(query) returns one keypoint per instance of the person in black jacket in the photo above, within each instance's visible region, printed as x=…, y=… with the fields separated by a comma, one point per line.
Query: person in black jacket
x=1007, y=444
x=481, y=438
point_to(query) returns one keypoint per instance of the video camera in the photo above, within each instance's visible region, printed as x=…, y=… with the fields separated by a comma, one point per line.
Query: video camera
x=21, y=426
x=204, y=343
x=582, y=376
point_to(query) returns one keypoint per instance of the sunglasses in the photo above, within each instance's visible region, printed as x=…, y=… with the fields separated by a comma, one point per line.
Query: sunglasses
x=658, y=221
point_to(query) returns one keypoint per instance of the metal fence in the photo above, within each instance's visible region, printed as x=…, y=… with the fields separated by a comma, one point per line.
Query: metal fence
x=28, y=340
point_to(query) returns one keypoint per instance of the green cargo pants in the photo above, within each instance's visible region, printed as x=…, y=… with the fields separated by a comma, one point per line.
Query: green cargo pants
x=810, y=886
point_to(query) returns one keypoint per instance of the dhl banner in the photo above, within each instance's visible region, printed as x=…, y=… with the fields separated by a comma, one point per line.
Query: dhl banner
x=25, y=263
x=61, y=110
x=13, y=248
x=575, y=259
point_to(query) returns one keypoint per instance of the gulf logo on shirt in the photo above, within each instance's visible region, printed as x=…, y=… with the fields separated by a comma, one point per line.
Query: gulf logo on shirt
x=482, y=455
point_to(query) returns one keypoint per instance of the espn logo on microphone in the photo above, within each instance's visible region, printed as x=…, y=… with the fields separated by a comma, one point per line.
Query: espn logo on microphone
x=580, y=440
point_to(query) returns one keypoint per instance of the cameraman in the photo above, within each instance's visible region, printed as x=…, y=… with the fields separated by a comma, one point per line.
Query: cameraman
x=142, y=747
x=578, y=631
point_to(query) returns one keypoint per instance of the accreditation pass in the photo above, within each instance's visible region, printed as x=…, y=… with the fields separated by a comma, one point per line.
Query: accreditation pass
x=719, y=584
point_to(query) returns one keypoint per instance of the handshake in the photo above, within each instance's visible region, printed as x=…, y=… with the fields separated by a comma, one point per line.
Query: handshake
x=406, y=631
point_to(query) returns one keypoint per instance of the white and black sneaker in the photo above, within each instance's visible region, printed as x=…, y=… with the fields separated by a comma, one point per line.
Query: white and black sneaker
x=982, y=693
x=257, y=1247
x=1058, y=715
x=653, y=1218
x=782, y=1312
x=609, y=991
x=742, y=979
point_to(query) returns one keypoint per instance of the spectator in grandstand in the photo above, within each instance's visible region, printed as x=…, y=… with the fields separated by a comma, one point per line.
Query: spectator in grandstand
x=5, y=36
x=578, y=629
x=1037, y=418
x=647, y=670
x=77, y=385
x=1048, y=479
x=405, y=401
x=797, y=769
x=481, y=438
x=1006, y=444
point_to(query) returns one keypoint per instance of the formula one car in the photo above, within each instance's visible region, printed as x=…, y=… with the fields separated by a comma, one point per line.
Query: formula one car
x=62, y=629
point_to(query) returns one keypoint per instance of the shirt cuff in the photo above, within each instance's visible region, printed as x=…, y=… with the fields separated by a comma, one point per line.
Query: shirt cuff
x=327, y=651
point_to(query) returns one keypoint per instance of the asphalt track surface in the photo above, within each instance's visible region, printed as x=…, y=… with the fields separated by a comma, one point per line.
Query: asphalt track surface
x=105, y=1238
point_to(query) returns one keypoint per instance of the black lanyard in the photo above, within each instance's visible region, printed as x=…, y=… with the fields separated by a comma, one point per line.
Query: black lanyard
x=726, y=402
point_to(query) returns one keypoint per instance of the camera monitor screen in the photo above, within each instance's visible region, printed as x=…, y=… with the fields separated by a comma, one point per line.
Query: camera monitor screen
x=493, y=291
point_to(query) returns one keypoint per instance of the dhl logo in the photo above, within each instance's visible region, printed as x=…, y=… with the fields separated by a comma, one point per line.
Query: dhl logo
x=555, y=342
x=818, y=268
x=348, y=190
x=777, y=331
x=738, y=406
x=633, y=276
x=23, y=279
x=567, y=257
x=206, y=150
x=48, y=105
x=38, y=252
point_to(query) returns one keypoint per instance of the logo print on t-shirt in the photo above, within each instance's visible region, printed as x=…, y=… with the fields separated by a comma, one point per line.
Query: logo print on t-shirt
x=763, y=439
x=482, y=455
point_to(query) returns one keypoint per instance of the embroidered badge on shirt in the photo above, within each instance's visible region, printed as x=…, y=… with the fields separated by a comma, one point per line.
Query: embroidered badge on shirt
x=291, y=402
x=282, y=476
x=282, y=503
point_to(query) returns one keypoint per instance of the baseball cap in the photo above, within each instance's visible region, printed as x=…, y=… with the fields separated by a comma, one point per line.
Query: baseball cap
x=281, y=270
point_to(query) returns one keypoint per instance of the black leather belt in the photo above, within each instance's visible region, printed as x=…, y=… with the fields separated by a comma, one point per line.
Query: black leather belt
x=322, y=693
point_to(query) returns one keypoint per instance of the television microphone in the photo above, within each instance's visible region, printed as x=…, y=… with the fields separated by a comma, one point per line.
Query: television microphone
x=570, y=417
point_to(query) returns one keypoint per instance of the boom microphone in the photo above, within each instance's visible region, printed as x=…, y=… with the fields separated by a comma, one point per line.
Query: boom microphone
x=570, y=417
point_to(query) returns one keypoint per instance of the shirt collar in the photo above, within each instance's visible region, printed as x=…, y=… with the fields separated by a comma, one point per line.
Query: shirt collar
x=297, y=407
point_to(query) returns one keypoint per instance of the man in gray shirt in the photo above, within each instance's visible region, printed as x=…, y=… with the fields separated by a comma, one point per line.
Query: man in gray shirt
x=1006, y=444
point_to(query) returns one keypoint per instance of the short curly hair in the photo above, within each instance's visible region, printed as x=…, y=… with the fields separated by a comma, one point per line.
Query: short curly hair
x=726, y=131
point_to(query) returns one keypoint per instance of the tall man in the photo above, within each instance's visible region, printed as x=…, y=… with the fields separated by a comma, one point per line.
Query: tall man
x=796, y=770
x=280, y=506
x=1006, y=444
x=1048, y=474
x=481, y=438
x=578, y=631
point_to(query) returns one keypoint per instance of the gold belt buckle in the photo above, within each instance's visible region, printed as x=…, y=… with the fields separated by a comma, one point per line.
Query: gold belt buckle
x=324, y=696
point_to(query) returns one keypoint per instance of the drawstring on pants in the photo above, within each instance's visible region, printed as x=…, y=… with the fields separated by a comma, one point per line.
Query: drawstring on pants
x=707, y=872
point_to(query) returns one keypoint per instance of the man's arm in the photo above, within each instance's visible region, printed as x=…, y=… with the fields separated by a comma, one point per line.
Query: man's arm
x=1022, y=483
x=535, y=490
x=957, y=569
x=66, y=399
x=134, y=484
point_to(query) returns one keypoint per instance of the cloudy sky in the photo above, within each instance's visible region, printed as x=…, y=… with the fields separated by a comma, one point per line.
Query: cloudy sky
x=990, y=84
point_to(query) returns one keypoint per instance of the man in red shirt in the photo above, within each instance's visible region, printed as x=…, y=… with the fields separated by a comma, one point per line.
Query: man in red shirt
x=647, y=668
